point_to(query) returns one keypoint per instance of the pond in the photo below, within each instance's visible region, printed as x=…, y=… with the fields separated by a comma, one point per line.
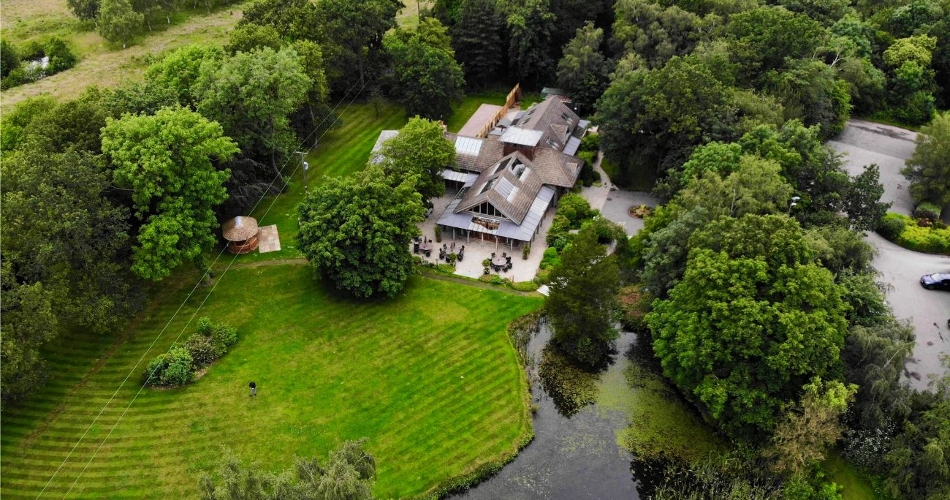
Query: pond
x=575, y=457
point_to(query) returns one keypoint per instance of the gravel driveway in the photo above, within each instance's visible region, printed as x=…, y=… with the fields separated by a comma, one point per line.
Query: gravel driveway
x=928, y=311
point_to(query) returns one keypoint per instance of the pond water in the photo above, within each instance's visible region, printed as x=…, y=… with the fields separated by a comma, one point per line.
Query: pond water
x=576, y=457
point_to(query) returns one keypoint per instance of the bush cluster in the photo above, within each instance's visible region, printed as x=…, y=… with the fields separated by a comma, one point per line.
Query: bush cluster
x=26, y=69
x=929, y=237
x=178, y=366
x=927, y=210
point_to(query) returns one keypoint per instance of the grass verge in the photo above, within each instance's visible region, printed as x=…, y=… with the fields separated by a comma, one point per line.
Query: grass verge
x=437, y=390
x=856, y=484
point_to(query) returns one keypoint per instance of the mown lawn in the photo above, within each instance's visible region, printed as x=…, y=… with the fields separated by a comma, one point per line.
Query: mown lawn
x=855, y=483
x=429, y=378
x=344, y=149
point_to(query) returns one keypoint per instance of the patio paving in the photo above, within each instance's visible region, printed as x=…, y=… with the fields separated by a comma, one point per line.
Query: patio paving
x=477, y=250
x=268, y=239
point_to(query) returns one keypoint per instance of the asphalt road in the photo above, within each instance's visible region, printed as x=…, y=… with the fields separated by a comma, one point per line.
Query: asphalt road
x=928, y=311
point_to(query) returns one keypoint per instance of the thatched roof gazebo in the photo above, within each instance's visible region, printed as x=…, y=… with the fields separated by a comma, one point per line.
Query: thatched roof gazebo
x=241, y=233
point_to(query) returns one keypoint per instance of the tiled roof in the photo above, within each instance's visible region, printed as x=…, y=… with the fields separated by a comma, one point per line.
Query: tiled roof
x=510, y=186
x=556, y=168
x=490, y=152
x=552, y=118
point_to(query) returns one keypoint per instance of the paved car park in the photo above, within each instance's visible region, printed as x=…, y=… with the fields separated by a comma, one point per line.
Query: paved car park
x=927, y=310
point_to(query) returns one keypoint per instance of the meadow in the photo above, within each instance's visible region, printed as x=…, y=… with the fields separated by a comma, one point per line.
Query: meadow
x=430, y=378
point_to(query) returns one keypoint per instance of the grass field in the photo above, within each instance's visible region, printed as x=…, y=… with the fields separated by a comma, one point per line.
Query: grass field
x=430, y=378
x=101, y=64
x=857, y=486
x=343, y=150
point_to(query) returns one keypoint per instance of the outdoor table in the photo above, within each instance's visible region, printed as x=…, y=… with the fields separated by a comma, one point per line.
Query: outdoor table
x=425, y=248
x=498, y=262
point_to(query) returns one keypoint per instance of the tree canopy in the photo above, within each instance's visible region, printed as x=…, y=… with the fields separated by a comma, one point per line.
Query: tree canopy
x=419, y=151
x=62, y=258
x=427, y=79
x=356, y=231
x=751, y=321
x=251, y=95
x=166, y=160
x=928, y=169
x=348, y=473
x=583, y=301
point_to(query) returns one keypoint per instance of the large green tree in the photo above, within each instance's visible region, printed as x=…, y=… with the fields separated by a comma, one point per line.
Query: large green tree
x=63, y=258
x=531, y=25
x=166, y=160
x=755, y=187
x=87, y=10
x=582, y=71
x=355, y=31
x=928, y=169
x=356, y=231
x=919, y=458
x=648, y=116
x=583, y=301
x=252, y=95
x=347, y=474
x=477, y=40
x=427, y=77
x=752, y=320
x=419, y=151
x=118, y=22
x=179, y=70
x=654, y=32
x=766, y=38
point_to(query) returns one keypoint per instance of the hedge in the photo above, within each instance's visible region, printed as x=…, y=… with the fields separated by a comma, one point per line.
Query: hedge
x=912, y=236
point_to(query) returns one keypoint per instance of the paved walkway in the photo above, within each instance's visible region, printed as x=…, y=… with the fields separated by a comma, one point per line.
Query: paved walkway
x=614, y=203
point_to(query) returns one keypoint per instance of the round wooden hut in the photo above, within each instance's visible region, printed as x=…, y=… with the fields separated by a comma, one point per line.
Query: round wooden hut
x=241, y=233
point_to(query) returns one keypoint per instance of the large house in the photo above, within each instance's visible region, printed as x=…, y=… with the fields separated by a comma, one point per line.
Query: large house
x=510, y=170
x=509, y=179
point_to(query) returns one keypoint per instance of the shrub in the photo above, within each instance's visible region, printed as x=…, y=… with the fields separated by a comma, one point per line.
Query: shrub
x=173, y=368
x=31, y=51
x=550, y=258
x=526, y=251
x=891, y=227
x=202, y=351
x=575, y=208
x=560, y=226
x=914, y=237
x=9, y=58
x=221, y=335
x=60, y=57
x=542, y=276
x=588, y=175
x=525, y=286
x=438, y=234
x=445, y=269
x=16, y=76
x=606, y=230
x=590, y=143
x=634, y=305
x=927, y=210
